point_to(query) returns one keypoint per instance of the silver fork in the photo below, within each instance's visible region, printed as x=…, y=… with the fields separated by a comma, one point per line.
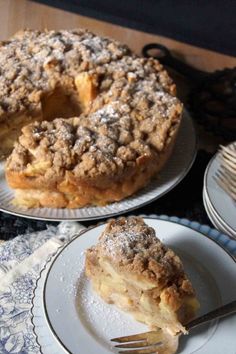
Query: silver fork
x=160, y=341
x=226, y=175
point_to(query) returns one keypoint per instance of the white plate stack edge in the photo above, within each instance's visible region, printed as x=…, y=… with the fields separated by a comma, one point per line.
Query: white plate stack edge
x=220, y=208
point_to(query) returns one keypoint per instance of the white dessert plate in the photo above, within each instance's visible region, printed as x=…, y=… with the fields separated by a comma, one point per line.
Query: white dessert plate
x=223, y=206
x=174, y=171
x=69, y=317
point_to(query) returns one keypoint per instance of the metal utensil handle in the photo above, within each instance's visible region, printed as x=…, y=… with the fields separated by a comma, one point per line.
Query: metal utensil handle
x=218, y=313
x=165, y=57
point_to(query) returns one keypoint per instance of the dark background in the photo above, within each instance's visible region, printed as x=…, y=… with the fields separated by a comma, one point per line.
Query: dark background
x=208, y=24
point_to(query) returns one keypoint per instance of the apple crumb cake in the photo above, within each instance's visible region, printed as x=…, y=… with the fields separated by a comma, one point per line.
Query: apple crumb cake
x=132, y=269
x=94, y=122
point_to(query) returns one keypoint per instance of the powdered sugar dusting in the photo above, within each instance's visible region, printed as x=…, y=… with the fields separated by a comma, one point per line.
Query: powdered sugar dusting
x=126, y=237
x=30, y=58
x=123, y=109
x=106, y=115
x=122, y=242
x=102, y=320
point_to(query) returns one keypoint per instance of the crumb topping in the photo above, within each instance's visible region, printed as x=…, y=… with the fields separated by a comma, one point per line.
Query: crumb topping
x=103, y=142
x=33, y=62
x=132, y=246
x=129, y=115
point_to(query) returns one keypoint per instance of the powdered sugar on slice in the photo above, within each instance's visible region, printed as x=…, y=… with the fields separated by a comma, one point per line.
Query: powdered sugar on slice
x=102, y=320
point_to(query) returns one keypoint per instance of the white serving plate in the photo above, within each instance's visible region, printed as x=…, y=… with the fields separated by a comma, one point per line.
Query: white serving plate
x=69, y=317
x=174, y=171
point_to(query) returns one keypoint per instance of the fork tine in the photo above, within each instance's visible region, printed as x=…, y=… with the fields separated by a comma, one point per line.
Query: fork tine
x=227, y=158
x=227, y=151
x=227, y=181
x=222, y=174
x=229, y=172
x=229, y=162
x=151, y=338
x=231, y=149
x=231, y=146
x=140, y=351
x=135, y=345
x=224, y=186
x=135, y=337
x=132, y=345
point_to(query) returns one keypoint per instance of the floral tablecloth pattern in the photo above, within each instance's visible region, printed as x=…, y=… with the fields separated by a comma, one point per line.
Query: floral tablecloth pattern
x=21, y=260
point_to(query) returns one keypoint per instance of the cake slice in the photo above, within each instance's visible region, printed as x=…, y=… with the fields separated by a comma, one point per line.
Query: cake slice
x=132, y=269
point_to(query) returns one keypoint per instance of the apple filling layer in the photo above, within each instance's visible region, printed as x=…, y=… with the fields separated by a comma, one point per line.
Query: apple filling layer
x=132, y=269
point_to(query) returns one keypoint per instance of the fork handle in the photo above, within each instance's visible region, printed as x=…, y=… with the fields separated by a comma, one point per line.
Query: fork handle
x=218, y=313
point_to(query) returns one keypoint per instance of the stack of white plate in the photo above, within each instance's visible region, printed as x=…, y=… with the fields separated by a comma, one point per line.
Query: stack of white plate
x=220, y=207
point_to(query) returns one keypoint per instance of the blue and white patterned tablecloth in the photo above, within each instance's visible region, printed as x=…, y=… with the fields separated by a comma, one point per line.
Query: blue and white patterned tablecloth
x=21, y=260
